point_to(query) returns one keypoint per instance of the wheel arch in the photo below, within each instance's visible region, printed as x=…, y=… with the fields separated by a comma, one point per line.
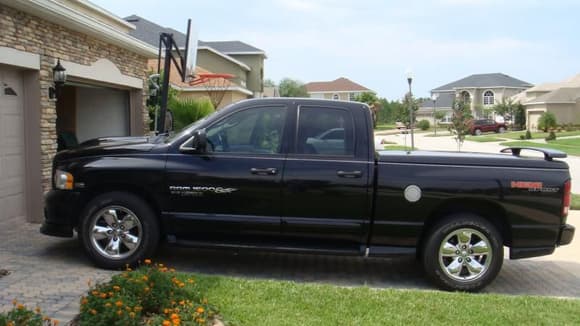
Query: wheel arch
x=486, y=209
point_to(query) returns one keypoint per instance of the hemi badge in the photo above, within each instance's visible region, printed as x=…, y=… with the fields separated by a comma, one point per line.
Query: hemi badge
x=526, y=185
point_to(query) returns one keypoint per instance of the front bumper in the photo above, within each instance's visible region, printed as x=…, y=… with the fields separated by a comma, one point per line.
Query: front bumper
x=566, y=235
x=61, y=212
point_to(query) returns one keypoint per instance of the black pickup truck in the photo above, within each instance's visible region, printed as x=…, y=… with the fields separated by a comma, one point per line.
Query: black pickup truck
x=303, y=175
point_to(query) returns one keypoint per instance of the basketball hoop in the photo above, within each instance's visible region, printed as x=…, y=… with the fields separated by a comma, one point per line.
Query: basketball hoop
x=216, y=85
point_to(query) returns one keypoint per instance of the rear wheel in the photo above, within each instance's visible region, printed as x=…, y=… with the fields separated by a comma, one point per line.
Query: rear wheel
x=477, y=132
x=118, y=229
x=501, y=130
x=463, y=252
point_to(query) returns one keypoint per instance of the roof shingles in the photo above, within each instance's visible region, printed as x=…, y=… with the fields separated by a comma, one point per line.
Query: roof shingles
x=484, y=80
x=338, y=85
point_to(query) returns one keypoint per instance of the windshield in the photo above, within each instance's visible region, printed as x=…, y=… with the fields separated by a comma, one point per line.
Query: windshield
x=188, y=129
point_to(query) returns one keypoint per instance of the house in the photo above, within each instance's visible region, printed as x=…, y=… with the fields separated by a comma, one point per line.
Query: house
x=104, y=93
x=562, y=99
x=339, y=89
x=481, y=91
x=245, y=63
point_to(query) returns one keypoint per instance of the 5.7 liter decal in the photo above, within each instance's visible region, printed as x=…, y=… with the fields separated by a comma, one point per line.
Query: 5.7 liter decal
x=199, y=190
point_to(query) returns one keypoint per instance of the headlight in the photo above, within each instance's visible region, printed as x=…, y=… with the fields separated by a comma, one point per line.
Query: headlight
x=63, y=180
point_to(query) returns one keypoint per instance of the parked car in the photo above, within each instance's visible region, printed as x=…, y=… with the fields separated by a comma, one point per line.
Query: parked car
x=477, y=127
x=254, y=175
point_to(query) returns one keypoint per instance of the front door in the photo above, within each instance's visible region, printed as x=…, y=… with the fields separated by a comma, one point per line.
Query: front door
x=231, y=193
x=326, y=182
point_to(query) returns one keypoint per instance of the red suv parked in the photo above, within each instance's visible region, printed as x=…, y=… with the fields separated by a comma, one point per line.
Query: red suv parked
x=484, y=125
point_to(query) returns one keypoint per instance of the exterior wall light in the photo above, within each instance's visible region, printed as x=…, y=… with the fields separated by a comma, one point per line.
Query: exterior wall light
x=59, y=79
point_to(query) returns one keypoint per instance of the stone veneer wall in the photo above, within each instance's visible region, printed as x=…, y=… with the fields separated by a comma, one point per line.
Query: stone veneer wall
x=29, y=33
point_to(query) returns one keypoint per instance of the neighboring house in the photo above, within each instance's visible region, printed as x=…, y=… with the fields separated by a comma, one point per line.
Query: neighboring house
x=480, y=91
x=342, y=89
x=243, y=61
x=271, y=91
x=562, y=99
x=104, y=94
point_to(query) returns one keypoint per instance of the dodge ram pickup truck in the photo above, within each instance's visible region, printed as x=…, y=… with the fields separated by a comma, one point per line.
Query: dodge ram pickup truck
x=303, y=175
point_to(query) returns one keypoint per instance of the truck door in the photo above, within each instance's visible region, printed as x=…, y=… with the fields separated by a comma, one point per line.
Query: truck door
x=232, y=192
x=326, y=178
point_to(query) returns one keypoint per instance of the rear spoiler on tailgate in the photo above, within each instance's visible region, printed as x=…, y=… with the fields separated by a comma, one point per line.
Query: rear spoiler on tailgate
x=549, y=154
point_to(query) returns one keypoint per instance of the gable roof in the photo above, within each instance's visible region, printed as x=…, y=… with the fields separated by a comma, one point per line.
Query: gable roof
x=148, y=31
x=561, y=95
x=338, y=85
x=445, y=100
x=483, y=81
x=232, y=47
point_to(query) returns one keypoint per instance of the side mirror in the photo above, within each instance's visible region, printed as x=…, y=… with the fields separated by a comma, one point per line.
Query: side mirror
x=196, y=144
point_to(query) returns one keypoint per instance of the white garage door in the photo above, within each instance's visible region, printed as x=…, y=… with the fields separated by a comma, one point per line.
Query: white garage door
x=101, y=112
x=533, y=117
x=12, y=170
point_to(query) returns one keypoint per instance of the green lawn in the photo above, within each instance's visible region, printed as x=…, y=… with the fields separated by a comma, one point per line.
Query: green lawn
x=484, y=139
x=575, y=202
x=570, y=146
x=537, y=135
x=398, y=148
x=385, y=127
x=263, y=302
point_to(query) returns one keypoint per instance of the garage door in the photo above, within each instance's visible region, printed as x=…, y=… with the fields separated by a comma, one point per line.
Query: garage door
x=101, y=112
x=533, y=117
x=12, y=170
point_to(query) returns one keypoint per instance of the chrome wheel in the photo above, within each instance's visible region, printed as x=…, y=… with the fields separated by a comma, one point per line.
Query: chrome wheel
x=465, y=255
x=477, y=132
x=115, y=232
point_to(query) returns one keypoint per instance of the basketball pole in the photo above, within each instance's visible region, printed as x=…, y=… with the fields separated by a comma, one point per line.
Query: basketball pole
x=166, y=40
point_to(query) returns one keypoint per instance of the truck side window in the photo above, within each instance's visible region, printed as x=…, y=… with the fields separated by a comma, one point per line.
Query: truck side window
x=325, y=131
x=255, y=130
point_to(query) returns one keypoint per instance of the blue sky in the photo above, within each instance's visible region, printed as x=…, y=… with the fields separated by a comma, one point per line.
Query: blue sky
x=374, y=42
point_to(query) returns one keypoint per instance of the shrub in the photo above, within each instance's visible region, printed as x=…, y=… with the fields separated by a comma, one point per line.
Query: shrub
x=153, y=294
x=528, y=134
x=547, y=121
x=424, y=124
x=551, y=136
x=188, y=110
x=19, y=315
x=522, y=137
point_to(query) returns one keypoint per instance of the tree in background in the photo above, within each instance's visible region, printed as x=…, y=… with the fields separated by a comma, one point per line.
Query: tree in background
x=373, y=102
x=269, y=83
x=460, y=121
x=409, y=102
x=519, y=116
x=292, y=88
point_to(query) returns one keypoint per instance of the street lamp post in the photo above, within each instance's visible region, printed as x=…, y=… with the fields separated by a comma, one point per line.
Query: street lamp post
x=434, y=98
x=410, y=81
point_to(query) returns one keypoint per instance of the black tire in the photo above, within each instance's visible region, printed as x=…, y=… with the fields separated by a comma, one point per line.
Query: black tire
x=477, y=132
x=441, y=239
x=139, y=215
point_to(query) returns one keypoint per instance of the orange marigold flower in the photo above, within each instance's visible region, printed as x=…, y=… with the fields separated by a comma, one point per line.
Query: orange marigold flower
x=132, y=314
x=182, y=303
x=95, y=292
x=147, y=261
x=14, y=302
x=128, y=308
x=167, y=311
x=119, y=303
x=20, y=307
x=10, y=324
x=166, y=323
x=84, y=301
x=116, y=288
x=110, y=294
x=37, y=310
x=172, y=270
x=138, y=308
x=93, y=312
x=201, y=320
x=103, y=295
x=145, y=278
x=176, y=322
x=119, y=312
x=146, y=289
x=199, y=310
x=55, y=322
x=108, y=305
x=174, y=316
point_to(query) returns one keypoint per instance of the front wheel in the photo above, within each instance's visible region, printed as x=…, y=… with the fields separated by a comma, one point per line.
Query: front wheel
x=463, y=252
x=118, y=229
x=477, y=132
x=501, y=130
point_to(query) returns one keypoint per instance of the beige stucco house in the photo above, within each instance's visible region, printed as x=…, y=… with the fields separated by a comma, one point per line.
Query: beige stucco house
x=480, y=90
x=341, y=88
x=104, y=94
x=243, y=61
x=562, y=99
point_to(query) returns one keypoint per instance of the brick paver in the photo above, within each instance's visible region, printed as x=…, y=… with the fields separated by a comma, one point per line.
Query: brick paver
x=52, y=273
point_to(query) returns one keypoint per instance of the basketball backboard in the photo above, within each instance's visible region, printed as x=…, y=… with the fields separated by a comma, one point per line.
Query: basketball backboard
x=190, y=52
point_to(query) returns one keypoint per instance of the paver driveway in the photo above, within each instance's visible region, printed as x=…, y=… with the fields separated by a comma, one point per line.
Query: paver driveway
x=52, y=273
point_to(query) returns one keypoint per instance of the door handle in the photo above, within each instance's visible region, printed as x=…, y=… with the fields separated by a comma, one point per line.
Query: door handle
x=349, y=174
x=266, y=171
